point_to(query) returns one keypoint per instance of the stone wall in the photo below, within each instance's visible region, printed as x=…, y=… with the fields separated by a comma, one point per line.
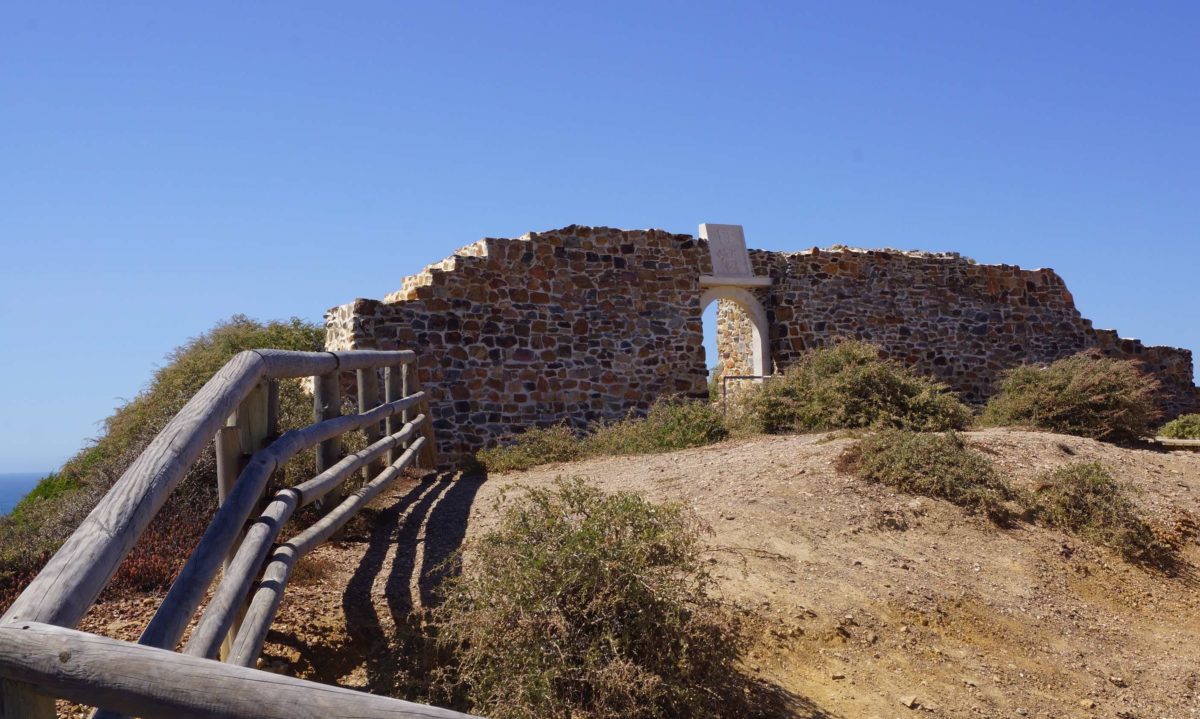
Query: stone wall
x=575, y=325
x=582, y=324
x=735, y=340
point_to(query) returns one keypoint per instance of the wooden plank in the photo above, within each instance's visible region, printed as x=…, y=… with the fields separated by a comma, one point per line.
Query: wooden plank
x=368, y=398
x=70, y=582
x=327, y=405
x=1172, y=443
x=265, y=602
x=283, y=364
x=159, y=684
x=319, y=485
x=352, y=360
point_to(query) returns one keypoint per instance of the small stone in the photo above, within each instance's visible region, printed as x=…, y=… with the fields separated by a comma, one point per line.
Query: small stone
x=910, y=701
x=1087, y=703
x=835, y=676
x=1118, y=682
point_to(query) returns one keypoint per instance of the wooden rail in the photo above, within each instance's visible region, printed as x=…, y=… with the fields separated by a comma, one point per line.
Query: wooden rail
x=41, y=657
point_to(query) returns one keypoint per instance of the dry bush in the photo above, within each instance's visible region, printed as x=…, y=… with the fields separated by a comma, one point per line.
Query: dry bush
x=586, y=604
x=849, y=386
x=1086, y=500
x=1183, y=427
x=933, y=465
x=540, y=445
x=1085, y=395
x=670, y=424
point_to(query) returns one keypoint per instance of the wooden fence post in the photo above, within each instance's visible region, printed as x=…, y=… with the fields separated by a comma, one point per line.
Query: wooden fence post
x=19, y=700
x=327, y=405
x=393, y=389
x=368, y=398
x=249, y=429
x=412, y=386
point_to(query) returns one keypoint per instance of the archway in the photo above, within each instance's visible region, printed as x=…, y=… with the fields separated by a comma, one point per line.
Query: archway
x=742, y=339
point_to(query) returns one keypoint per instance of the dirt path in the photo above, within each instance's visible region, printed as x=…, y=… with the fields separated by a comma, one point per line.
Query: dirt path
x=875, y=604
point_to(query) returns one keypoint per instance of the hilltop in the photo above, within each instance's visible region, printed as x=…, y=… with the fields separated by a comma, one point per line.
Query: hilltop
x=864, y=597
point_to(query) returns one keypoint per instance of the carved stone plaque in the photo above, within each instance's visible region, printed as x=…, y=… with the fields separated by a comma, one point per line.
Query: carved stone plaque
x=727, y=244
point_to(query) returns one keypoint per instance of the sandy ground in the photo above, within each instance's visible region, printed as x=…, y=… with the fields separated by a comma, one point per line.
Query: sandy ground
x=872, y=603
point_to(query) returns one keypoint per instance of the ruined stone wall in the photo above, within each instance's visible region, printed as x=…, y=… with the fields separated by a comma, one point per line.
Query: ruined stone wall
x=575, y=325
x=962, y=322
x=582, y=324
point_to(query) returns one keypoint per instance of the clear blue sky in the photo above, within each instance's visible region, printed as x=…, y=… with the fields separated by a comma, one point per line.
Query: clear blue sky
x=166, y=165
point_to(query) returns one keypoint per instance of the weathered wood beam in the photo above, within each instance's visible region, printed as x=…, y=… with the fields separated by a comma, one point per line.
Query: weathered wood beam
x=70, y=582
x=177, y=608
x=158, y=684
x=265, y=602
x=368, y=398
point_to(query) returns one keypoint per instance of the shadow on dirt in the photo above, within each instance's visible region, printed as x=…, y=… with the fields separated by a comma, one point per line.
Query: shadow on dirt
x=408, y=544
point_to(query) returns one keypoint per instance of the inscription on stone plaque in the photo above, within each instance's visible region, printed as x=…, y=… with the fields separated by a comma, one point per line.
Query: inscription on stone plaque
x=727, y=245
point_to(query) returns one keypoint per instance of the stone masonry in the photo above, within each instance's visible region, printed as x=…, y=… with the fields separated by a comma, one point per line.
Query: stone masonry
x=582, y=324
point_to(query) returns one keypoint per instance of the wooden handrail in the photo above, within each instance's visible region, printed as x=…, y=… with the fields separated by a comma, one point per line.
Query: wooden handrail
x=185, y=595
x=265, y=603
x=159, y=684
x=242, y=570
x=72, y=580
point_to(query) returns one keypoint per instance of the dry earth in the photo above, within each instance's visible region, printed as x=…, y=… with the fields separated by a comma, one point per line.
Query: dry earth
x=872, y=603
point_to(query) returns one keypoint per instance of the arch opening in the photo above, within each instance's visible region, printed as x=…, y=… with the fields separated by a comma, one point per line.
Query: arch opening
x=737, y=331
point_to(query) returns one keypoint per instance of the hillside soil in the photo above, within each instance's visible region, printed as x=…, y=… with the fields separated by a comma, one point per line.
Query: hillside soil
x=866, y=602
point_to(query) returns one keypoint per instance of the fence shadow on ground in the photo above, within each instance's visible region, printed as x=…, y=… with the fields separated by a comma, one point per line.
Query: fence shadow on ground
x=408, y=545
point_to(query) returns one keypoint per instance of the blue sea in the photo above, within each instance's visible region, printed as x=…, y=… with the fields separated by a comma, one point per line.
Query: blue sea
x=16, y=485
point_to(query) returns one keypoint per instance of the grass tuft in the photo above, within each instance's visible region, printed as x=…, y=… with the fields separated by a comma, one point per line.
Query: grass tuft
x=932, y=465
x=1085, y=499
x=670, y=424
x=540, y=445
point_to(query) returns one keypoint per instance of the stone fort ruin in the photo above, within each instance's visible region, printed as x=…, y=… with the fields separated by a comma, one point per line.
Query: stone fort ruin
x=588, y=323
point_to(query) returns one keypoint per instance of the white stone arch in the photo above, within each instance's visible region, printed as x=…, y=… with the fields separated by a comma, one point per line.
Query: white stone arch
x=761, y=347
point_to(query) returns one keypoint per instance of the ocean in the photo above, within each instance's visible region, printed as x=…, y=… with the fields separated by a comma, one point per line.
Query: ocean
x=16, y=485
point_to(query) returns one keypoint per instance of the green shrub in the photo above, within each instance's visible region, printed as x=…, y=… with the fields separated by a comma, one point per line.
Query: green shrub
x=540, y=445
x=1183, y=427
x=41, y=522
x=849, y=386
x=1085, y=395
x=48, y=489
x=1085, y=499
x=932, y=465
x=670, y=424
x=586, y=604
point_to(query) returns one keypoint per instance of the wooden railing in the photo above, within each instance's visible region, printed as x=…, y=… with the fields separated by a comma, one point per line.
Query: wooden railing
x=41, y=655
